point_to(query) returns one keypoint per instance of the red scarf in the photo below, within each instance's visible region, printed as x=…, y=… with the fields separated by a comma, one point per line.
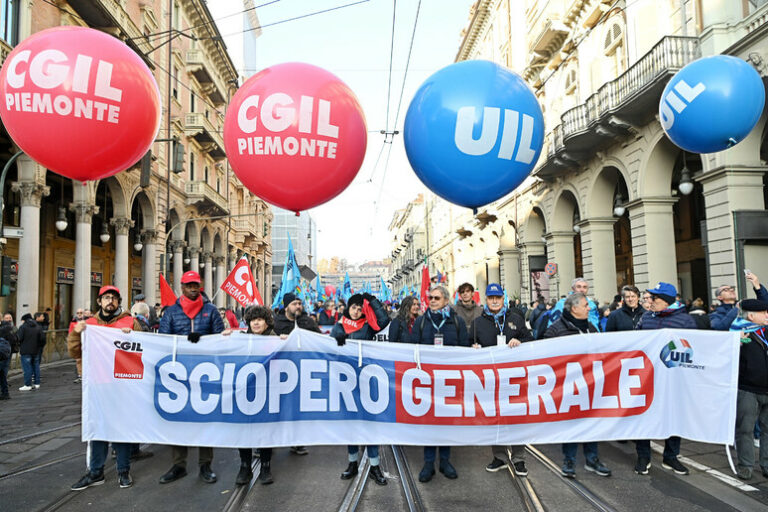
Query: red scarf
x=350, y=325
x=191, y=307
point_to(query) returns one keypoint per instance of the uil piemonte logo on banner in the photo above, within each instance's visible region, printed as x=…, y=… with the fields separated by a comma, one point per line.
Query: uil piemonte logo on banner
x=674, y=355
x=128, y=363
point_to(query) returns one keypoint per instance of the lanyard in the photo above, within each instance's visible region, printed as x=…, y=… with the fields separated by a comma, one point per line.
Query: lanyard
x=437, y=327
x=500, y=327
x=761, y=337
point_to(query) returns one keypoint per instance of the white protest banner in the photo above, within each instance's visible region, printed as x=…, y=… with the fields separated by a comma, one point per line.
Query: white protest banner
x=244, y=390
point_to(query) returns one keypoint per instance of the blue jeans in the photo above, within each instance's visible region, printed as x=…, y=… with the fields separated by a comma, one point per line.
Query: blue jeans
x=671, y=448
x=372, y=451
x=99, y=452
x=570, y=449
x=4, y=376
x=431, y=451
x=31, y=366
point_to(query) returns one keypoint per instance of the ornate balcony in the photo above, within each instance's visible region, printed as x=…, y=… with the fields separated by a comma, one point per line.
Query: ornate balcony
x=200, y=68
x=197, y=125
x=631, y=99
x=205, y=198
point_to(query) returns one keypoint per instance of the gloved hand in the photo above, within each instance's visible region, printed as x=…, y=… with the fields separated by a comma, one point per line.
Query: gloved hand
x=341, y=340
x=368, y=297
x=193, y=337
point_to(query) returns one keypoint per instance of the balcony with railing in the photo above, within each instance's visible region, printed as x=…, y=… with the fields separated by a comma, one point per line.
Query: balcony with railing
x=199, y=65
x=199, y=126
x=207, y=200
x=630, y=99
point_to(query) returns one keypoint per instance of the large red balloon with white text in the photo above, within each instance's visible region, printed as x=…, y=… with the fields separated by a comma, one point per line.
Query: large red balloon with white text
x=79, y=102
x=295, y=135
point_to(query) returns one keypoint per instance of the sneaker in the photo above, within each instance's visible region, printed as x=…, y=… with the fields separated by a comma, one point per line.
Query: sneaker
x=299, y=450
x=448, y=470
x=597, y=467
x=26, y=388
x=78, y=380
x=674, y=465
x=427, y=472
x=520, y=468
x=757, y=443
x=495, y=465
x=37, y=386
x=642, y=465
x=744, y=473
x=568, y=470
x=88, y=480
x=124, y=479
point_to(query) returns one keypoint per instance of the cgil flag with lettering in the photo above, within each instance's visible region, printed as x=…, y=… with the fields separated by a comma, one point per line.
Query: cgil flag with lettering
x=245, y=390
x=241, y=286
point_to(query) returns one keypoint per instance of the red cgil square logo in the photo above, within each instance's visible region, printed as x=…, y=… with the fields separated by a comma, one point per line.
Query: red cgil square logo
x=128, y=365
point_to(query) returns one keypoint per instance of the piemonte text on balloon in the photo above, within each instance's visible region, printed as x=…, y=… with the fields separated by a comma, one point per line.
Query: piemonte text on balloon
x=295, y=135
x=473, y=132
x=712, y=104
x=79, y=102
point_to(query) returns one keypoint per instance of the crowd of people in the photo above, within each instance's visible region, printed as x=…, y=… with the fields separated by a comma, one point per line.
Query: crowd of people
x=463, y=323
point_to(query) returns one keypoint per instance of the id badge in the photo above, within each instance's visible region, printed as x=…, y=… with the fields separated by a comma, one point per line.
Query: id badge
x=438, y=340
x=501, y=340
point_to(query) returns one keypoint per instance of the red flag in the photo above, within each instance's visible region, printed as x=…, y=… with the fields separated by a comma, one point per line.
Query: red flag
x=370, y=316
x=476, y=297
x=167, y=297
x=241, y=286
x=424, y=287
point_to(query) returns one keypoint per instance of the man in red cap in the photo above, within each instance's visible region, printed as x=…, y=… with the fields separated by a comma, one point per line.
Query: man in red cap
x=110, y=314
x=193, y=315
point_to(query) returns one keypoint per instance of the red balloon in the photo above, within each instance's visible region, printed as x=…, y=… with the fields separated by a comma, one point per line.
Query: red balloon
x=295, y=135
x=79, y=101
x=330, y=290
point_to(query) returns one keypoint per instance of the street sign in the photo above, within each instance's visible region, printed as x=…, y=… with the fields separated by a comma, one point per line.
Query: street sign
x=550, y=269
x=12, y=232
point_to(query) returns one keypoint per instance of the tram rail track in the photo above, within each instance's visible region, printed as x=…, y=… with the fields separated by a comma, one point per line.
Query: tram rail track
x=25, y=437
x=410, y=491
x=240, y=493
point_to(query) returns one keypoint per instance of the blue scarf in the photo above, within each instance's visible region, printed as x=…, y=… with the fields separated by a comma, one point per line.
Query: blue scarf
x=671, y=309
x=499, y=318
x=742, y=325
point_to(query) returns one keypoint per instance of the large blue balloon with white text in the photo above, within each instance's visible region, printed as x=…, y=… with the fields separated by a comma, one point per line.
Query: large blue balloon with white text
x=473, y=132
x=712, y=104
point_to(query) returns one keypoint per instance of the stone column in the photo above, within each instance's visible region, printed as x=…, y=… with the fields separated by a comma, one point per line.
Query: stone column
x=726, y=190
x=560, y=251
x=208, y=274
x=653, y=241
x=494, y=275
x=122, y=270
x=194, y=259
x=510, y=272
x=28, y=284
x=83, y=216
x=150, y=278
x=177, y=248
x=220, y=269
x=599, y=256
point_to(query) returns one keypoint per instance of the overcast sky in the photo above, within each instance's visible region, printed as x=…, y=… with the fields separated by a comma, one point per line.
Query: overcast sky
x=354, y=43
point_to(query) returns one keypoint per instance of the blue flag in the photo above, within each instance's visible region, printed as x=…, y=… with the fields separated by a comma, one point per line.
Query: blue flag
x=385, y=294
x=346, y=288
x=291, y=277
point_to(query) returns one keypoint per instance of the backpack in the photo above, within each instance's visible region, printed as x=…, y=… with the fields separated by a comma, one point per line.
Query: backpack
x=5, y=349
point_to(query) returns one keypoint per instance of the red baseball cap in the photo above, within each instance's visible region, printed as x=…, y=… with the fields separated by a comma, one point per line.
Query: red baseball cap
x=190, y=277
x=109, y=288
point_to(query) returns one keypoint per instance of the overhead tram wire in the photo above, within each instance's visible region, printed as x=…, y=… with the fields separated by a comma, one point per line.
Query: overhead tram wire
x=389, y=79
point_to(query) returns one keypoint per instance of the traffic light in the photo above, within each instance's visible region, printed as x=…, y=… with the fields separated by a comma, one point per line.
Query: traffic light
x=178, y=157
x=146, y=169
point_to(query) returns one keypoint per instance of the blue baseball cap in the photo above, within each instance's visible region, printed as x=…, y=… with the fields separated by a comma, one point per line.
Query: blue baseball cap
x=494, y=290
x=663, y=289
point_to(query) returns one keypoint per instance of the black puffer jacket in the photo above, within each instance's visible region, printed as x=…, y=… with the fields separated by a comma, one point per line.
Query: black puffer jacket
x=284, y=326
x=31, y=337
x=753, y=366
x=483, y=330
x=624, y=319
x=454, y=330
x=563, y=327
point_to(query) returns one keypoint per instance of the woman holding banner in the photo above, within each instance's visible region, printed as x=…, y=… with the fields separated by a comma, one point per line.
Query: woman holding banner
x=363, y=318
x=401, y=328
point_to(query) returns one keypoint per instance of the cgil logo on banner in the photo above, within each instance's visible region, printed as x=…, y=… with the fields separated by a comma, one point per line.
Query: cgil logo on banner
x=289, y=386
x=128, y=363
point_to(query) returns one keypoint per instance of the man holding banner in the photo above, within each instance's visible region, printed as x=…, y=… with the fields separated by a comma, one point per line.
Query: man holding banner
x=193, y=315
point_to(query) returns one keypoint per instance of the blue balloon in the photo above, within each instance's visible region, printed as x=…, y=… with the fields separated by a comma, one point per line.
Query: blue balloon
x=711, y=104
x=473, y=132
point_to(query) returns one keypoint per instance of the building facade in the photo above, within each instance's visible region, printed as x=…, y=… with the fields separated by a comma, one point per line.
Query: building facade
x=612, y=199
x=302, y=232
x=408, y=231
x=127, y=229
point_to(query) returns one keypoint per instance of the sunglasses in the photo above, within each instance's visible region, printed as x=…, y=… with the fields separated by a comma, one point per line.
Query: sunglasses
x=435, y=297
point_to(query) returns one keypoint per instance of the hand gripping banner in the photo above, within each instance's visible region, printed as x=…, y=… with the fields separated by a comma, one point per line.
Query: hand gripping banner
x=247, y=391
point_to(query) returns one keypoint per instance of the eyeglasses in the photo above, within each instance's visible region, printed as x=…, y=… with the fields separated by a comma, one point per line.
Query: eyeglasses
x=435, y=297
x=112, y=298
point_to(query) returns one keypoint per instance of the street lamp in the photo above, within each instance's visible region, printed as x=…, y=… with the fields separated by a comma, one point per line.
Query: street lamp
x=104, y=236
x=61, y=221
x=137, y=245
x=618, y=205
x=202, y=264
x=685, y=186
x=576, y=220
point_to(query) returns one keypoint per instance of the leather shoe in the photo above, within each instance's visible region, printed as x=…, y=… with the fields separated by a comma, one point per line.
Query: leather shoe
x=244, y=475
x=350, y=471
x=207, y=474
x=376, y=475
x=427, y=472
x=173, y=474
x=448, y=470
